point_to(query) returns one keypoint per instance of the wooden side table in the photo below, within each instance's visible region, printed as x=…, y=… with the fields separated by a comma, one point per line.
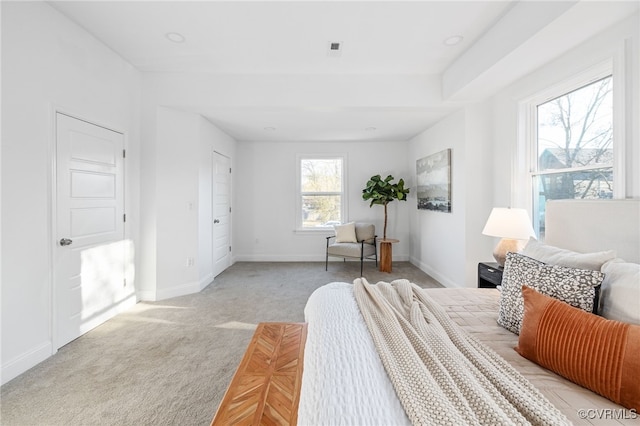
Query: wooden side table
x=386, y=254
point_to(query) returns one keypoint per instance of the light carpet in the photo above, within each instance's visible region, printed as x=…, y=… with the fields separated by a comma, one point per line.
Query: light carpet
x=170, y=362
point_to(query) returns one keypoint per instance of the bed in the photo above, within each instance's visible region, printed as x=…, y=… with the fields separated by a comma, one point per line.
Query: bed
x=345, y=382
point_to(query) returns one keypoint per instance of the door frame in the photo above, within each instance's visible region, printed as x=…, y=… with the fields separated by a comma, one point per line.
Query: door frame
x=52, y=206
x=213, y=210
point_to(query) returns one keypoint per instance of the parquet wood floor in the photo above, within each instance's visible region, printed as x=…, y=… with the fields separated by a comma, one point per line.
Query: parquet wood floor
x=265, y=389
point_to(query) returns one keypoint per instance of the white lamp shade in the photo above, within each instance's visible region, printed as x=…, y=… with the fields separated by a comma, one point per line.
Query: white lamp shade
x=509, y=223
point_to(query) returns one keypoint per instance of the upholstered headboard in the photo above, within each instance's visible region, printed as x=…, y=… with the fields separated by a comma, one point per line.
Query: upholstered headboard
x=595, y=225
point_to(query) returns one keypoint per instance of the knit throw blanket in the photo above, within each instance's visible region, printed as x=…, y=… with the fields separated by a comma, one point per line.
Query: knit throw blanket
x=442, y=375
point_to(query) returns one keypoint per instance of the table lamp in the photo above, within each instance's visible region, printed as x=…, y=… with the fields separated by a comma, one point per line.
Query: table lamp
x=513, y=226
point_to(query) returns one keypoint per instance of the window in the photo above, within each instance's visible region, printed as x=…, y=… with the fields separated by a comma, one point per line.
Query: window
x=572, y=152
x=322, y=190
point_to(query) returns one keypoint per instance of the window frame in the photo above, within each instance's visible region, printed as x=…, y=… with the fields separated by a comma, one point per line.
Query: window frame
x=526, y=159
x=344, y=211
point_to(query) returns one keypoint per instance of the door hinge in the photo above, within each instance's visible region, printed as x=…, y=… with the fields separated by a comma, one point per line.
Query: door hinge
x=229, y=169
x=124, y=217
x=125, y=282
x=124, y=153
x=229, y=248
x=229, y=209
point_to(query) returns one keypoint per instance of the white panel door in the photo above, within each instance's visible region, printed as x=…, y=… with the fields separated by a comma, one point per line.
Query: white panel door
x=221, y=213
x=89, y=257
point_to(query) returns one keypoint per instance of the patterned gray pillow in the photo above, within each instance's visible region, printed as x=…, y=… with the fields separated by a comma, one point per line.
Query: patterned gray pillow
x=577, y=287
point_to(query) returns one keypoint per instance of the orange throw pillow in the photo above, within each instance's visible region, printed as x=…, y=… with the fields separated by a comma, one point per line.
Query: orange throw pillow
x=600, y=354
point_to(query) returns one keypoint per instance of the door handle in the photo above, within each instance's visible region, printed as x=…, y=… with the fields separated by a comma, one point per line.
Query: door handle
x=216, y=221
x=65, y=242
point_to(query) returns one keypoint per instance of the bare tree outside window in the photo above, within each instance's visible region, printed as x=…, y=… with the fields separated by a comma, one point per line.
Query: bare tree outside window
x=575, y=146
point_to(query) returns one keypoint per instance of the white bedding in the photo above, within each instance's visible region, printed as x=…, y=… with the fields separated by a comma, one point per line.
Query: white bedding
x=344, y=381
x=343, y=377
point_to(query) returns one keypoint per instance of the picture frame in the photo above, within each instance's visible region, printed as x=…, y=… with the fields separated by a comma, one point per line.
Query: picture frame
x=434, y=182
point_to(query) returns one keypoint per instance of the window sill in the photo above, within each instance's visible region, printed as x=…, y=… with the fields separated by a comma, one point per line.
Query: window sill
x=314, y=231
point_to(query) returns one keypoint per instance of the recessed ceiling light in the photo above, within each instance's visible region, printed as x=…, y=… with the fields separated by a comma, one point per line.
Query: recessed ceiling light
x=270, y=129
x=175, y=37
x=453, y=40
x=371, y=129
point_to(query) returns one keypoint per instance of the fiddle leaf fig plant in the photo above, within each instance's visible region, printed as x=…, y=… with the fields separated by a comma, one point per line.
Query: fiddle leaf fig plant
x=383, y=192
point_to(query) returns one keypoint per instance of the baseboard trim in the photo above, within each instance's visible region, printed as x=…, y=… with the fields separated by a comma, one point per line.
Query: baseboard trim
x=205, y=281
x=277, y=258
x=36, y=355
x=445, y=281
x=309, y=258
x=182, y=290
x=22, y=363
x=146, y=295
x=109, y=312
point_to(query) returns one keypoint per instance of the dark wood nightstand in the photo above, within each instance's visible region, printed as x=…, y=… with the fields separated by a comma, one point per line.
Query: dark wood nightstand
x=489, y=275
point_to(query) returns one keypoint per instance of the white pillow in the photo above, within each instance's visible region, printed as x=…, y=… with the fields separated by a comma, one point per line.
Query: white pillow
x=346, y=233
x=556, y=256
x=620, y=293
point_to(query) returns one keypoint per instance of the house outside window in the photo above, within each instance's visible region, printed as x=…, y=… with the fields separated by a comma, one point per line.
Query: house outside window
x=573, y=147
x=321, y=201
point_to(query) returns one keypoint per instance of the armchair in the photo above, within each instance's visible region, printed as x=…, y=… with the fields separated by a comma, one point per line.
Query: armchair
x=362, y=246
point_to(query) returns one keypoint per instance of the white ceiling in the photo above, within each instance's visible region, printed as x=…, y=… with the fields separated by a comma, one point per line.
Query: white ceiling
x=385, y=45
x=285, y=37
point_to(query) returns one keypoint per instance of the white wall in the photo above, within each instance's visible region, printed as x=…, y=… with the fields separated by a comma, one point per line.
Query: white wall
x=177, y=178
x=177, y=160
x=48, y=62
x=437, y=246
x=480, y=166
x=211, y=139
x=265, y=192
x=448, y=246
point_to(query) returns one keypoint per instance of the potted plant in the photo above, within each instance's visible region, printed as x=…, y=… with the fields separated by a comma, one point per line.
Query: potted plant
x=383, y=192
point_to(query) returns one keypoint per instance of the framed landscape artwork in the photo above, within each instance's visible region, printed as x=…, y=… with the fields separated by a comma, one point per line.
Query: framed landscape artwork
x=434, y=182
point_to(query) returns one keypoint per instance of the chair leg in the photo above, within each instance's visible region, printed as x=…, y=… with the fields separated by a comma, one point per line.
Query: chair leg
x=326, y=262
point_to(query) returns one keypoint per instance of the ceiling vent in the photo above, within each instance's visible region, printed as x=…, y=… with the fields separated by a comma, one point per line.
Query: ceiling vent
x=334, y=48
